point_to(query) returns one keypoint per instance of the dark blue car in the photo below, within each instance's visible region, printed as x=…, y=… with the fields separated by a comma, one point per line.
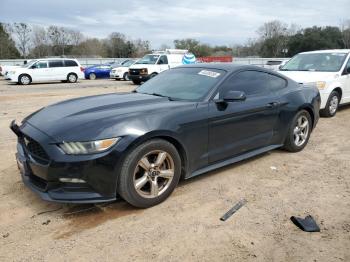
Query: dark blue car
x=101, y=71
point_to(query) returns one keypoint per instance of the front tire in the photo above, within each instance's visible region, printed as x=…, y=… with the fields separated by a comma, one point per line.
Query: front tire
x=24, y=79
x=299, y=132
x=136, y=82
x=332, y=105
x=126, y=77
x=149, y=173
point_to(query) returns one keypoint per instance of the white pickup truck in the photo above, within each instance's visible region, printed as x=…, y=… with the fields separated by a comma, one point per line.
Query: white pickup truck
x=152, y=64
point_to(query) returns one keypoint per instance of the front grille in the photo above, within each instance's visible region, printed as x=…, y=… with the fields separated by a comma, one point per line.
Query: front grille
x=35, y=149
x=134, y=72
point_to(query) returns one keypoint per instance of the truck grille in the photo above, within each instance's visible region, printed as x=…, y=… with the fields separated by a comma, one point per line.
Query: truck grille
x=134, y=72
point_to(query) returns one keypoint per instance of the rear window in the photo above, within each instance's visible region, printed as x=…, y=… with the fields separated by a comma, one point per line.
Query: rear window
x=70, y=63
x=55, y=63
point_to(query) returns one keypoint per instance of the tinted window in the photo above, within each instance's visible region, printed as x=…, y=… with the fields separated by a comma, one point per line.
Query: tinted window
x=70, y=63
x=55, y=63
x=253, y=83
x=163, y=60
x=40, y=64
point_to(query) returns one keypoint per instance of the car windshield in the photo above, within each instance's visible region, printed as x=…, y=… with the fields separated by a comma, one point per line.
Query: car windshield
x=319, y=62
x=148, y=59
x=191, y=84
x=128, y=63
x=29, y=64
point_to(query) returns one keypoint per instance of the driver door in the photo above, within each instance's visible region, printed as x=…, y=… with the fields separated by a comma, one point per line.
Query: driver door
x=241, y=126
x=163, y=63
x=40, y=71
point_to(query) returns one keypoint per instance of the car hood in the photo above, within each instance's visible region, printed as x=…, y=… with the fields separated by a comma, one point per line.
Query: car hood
x=309, y=76
x=102, y=116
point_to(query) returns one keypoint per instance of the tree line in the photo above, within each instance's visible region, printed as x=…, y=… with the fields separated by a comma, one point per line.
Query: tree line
x=274, y=39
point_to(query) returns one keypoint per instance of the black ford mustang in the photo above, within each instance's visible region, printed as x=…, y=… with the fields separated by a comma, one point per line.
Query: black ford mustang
x=184, y=122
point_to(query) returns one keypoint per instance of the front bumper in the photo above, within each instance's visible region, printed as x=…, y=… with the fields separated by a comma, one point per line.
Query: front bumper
x=115, y=75
x=43, y=175
x=141, y=78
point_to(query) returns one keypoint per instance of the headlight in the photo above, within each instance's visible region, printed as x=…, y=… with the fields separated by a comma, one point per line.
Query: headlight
x=81, y=148
x=319, y=84
x=144, y=71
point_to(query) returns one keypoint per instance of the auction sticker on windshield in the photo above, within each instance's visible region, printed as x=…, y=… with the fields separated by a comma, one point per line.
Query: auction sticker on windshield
x=209, y=73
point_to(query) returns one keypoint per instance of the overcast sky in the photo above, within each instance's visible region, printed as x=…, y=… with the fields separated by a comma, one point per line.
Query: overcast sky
x=214, y=22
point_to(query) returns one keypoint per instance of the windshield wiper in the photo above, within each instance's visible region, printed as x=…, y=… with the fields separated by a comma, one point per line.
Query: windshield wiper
x=156, y=94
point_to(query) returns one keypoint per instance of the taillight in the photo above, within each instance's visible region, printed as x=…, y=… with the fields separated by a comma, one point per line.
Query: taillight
x=82, y=69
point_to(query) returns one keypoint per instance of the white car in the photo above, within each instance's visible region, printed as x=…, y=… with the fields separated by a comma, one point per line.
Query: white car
x=122, y=71
x=48, y=69
x=5, y=68
x=329, y=70
x=152, y=64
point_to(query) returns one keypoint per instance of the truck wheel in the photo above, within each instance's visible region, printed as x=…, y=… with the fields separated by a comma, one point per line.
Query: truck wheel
x=332, y=105
x=152, y=75
x=136, y=82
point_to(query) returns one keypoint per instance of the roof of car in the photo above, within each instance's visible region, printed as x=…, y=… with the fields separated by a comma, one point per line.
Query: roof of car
x=229, y=67
x=329, y=51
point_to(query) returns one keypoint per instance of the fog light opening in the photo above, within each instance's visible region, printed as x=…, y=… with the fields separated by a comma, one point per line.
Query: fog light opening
x=71, y=180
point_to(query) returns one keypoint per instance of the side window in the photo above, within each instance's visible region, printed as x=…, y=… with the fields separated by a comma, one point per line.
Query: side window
x=70, y=63
x=253, y=83
x=56, y=63
x=163, y=60
x=40, y=64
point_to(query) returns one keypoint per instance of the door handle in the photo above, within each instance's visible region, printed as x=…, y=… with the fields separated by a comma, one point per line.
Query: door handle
x=272, y=104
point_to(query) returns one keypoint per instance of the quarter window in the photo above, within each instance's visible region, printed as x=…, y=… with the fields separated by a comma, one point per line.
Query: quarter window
x=253, y=83
x=70, y=63
x=56, y=63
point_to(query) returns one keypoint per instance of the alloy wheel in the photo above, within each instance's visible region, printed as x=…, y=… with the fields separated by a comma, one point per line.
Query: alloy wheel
x=153, y=174
x=301, y=130
x=25, y=80
x=333, y=104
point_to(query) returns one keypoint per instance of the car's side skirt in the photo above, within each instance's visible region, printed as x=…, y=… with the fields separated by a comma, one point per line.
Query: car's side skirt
x=233, y=160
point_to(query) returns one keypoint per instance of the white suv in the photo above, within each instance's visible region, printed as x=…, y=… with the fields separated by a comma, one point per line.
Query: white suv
x=53, y=69
x=329, y=70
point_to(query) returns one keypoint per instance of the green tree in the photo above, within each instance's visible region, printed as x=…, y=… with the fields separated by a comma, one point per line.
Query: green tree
x=8, y=48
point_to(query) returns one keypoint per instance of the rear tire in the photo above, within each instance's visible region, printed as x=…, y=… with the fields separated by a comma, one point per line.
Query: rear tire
x=72, y=78
x=24, y=79
x=149, y=173
x=332, y=105
x=92, y=76
x=299, y=132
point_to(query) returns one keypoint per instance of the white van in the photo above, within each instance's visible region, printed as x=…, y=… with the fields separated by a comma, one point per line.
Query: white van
x=152, y=64
x=47, y=69
x=329, y=70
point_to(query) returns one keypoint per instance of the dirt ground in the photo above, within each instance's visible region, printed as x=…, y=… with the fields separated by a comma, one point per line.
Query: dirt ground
x=186, y=227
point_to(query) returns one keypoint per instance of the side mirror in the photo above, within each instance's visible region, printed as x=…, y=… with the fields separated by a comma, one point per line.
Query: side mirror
x=232, y=96
x=280, y=67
